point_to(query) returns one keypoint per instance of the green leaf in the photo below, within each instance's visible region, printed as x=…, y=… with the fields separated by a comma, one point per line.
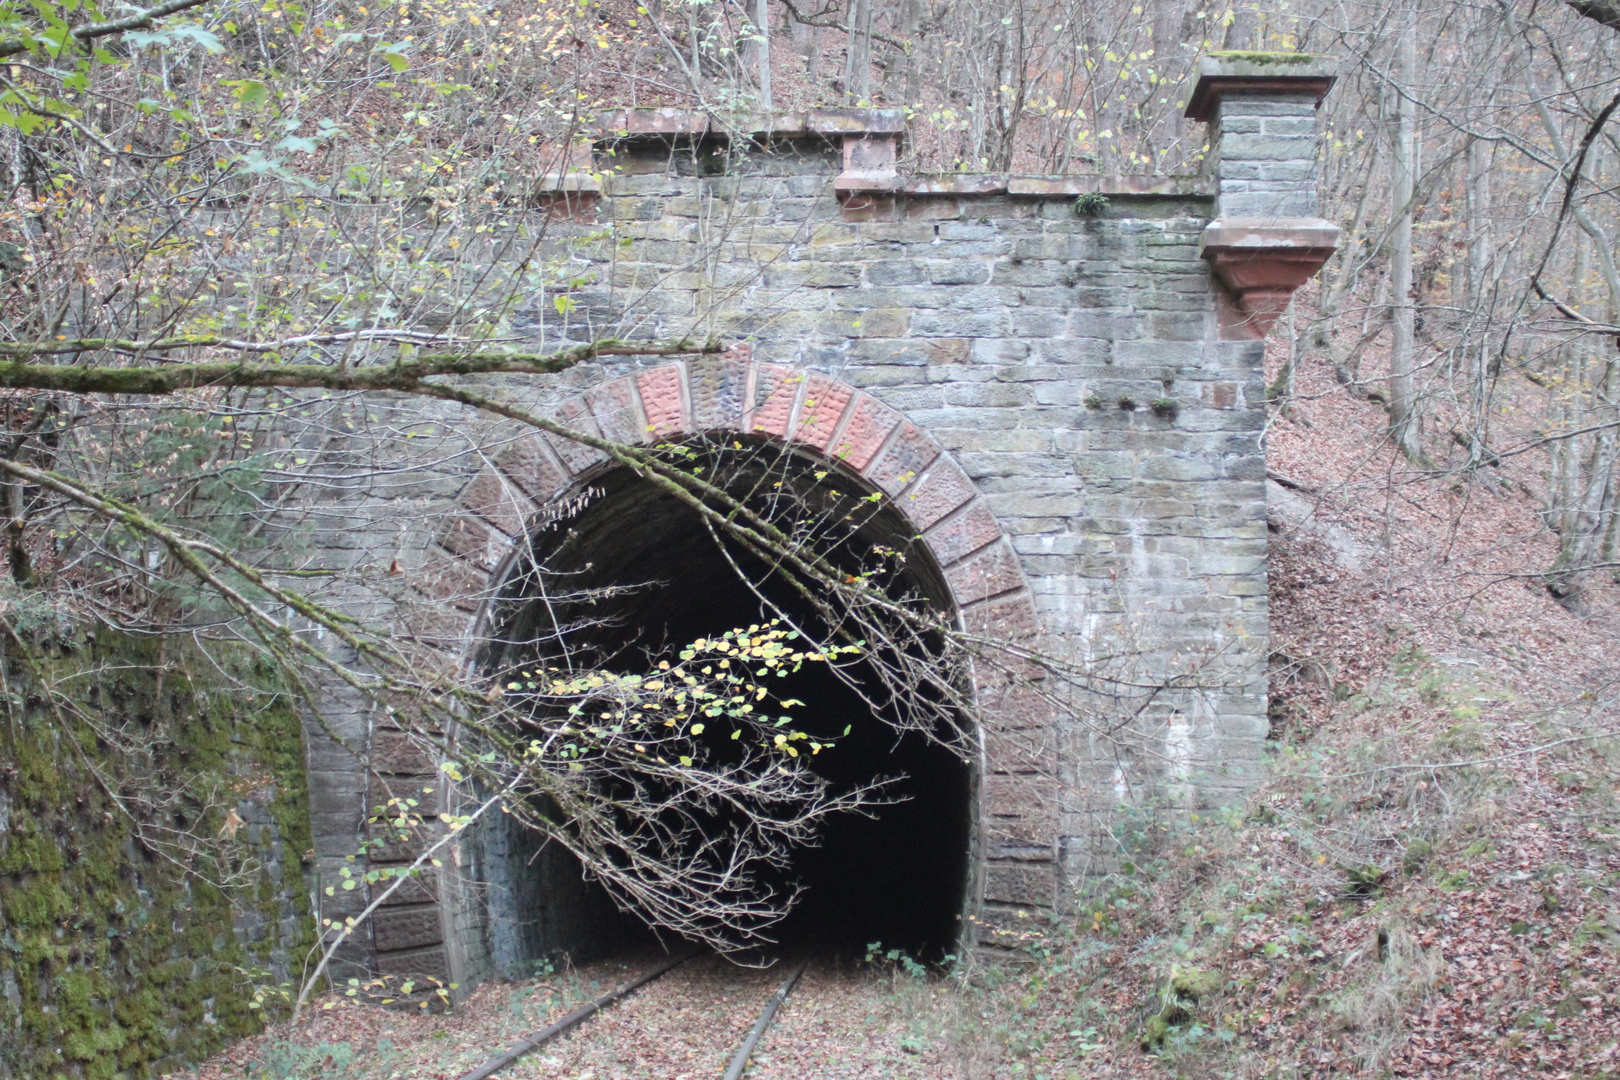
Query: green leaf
x=249, y=91
x=394, y=54
x=202, y=37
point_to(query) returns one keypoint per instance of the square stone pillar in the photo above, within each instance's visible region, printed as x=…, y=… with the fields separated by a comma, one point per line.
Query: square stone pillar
x=1267, y=238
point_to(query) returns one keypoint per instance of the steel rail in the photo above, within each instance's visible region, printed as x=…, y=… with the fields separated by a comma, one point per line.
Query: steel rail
x=739, y=1061
x=573, y=1019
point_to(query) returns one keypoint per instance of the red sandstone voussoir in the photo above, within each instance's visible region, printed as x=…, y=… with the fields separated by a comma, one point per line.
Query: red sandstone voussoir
x=529, y=463
x=903, y=461
x=1008, y=618
x=941, y=488
x=776, y=390
x=870, y=423
x=453, y=580
x=576, y=456
x=617, y=412
x=994, y=571
x=825, y=402
x=965, y=532
x=473, y=540
x=663, y=401
x=1011, y=705
x=499, y=501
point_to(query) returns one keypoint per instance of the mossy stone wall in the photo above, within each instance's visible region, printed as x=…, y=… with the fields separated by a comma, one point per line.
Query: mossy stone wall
x=128, y=949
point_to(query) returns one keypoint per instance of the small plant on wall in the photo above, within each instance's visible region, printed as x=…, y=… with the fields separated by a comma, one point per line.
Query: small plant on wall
x=1091, y=204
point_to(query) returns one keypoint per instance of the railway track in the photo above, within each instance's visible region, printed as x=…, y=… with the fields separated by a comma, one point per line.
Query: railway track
x=737, y=1064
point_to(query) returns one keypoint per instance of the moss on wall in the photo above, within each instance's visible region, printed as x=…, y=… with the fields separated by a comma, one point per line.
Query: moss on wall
x=153, y=825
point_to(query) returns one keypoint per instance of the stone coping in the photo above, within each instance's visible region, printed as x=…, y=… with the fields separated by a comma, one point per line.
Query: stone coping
x=959, y=184
x=1259, y=234
x=1255, y=73
x=631, y=123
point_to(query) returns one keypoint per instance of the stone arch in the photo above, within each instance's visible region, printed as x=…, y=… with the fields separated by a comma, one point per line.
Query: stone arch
x=734, y=395
x=1013, y=864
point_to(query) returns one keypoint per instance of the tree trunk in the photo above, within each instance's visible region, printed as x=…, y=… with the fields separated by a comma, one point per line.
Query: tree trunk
x=1405, y=425
x=858, y=56
x=762, y=22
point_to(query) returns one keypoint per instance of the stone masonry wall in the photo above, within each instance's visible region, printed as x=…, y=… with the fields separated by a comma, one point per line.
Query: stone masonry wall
x=1078, y=361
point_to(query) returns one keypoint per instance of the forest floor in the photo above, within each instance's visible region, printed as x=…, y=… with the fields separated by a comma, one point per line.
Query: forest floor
x=1426, y=883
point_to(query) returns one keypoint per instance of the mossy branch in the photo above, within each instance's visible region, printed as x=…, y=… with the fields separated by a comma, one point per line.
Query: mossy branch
x=140, y=20
x=163, y=379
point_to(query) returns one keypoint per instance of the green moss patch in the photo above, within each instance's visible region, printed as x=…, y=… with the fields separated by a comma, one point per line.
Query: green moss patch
x=1250, y=57
x=153, y=820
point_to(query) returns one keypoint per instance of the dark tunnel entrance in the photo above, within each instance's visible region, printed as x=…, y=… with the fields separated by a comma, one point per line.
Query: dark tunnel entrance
x=657, y=579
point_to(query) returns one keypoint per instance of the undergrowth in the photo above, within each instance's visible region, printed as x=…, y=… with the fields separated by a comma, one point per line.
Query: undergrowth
x=1424, y=882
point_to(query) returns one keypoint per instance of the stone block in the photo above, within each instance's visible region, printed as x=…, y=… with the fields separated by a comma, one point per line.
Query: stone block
x=719, y=393
x=1032, y=885
x=1024, y=750
x=663, y=400
x=903, y=460
x=1265, y=204
x=776, y=391
x=395, y=929
x=1299, y=172
x=529, y=462
x=418, y=963
x=1108, y=325
x=1001, y=927
x=960, y=324
x=966, y=531
x=813, y=275
x=500, y=502
x=421, y=887
x=398, y=753
x=895, y=272
x=1020, y=809
x=958, y=272
x=941, y=488
x=825, y=402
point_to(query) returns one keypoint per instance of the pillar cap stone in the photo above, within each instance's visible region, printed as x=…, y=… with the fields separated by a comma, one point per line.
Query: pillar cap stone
x=1259, y=73
x=1262, y=261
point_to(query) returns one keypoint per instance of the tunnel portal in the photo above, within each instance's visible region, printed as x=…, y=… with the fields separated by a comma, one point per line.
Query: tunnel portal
x=630, y=573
